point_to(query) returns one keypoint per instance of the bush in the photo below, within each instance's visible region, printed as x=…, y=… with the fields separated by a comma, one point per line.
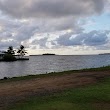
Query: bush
x=9, y=57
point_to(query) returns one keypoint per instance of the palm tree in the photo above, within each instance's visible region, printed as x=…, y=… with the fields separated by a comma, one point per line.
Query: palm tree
x=10, y=50
x=21, y=51
x=9, y=54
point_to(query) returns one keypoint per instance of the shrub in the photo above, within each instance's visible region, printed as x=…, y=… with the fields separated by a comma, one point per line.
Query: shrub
x=9, y=57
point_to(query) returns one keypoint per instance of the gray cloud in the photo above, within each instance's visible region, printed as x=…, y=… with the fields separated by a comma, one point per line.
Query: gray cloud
x=21, y=31
x=16, y=30
x=44, y=16
x=25, y=32
x=50, y=8
x=41, y=42
x=65, y=40
x=48, y=15
x=94, y=38
x=6, y=44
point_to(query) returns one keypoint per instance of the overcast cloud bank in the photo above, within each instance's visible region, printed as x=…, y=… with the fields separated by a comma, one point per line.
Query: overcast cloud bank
x=22, y=20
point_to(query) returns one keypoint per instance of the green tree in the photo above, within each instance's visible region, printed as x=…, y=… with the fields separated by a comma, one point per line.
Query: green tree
x=10, y=50
x=21, y=51
x=9, y=55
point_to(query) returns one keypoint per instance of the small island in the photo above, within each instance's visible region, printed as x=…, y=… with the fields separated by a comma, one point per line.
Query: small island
x=48, y=54
x=10, y=54
x=104, y=54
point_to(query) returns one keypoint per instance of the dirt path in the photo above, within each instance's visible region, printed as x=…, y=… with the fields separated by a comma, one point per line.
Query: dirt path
x=11, y=92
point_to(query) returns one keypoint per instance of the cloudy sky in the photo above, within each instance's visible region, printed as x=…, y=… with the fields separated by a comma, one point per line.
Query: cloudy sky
x=56, y=26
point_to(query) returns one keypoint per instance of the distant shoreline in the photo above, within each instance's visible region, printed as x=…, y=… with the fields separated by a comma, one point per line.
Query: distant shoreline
x=104, y=54
x=48, y=54
x=43, y=54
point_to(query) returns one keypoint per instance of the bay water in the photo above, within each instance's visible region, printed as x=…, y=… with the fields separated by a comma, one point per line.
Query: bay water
x=43, y=64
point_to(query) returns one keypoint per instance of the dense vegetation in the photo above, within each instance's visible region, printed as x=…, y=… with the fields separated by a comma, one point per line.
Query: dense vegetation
x=9, y=57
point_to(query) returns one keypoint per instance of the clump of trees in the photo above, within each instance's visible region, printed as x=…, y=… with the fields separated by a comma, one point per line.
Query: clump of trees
x=9, y=57
x=10, y=53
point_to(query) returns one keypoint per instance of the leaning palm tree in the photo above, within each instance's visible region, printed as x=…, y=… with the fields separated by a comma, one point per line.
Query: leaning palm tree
x=21, y=51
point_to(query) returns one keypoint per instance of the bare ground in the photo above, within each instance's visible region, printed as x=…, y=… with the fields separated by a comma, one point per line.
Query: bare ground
x=14, y=91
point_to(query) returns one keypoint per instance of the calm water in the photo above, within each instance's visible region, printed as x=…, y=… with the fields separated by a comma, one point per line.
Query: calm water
x=46, y=64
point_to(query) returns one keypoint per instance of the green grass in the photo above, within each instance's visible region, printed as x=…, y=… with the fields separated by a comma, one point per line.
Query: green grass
x=94, y=97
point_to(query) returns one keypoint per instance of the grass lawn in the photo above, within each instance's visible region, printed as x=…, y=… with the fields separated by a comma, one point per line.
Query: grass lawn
x=93, y=97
